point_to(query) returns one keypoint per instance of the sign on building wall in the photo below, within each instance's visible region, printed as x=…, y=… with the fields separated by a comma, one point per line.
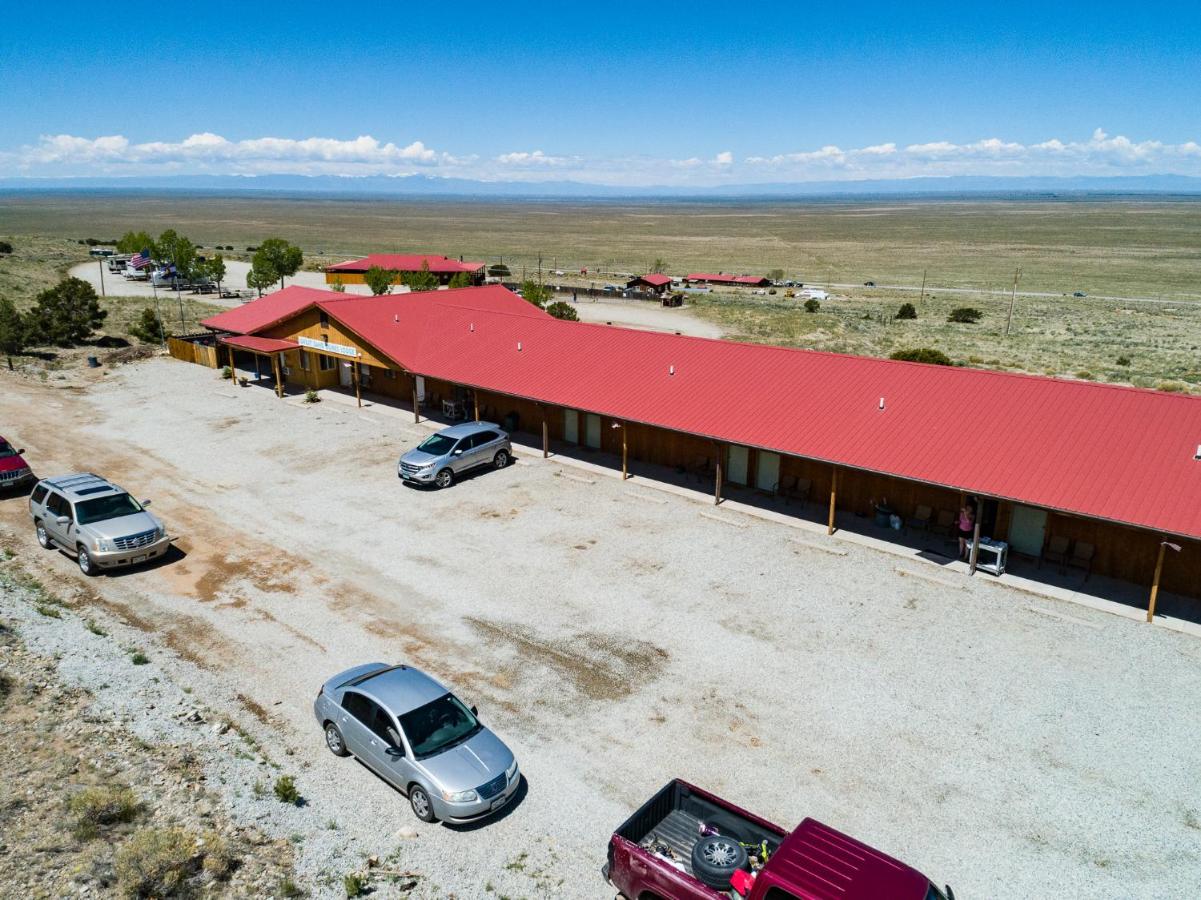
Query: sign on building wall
x=343, y=349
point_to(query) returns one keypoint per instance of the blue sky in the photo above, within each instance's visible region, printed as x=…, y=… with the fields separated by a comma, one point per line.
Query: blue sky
x=615, y=92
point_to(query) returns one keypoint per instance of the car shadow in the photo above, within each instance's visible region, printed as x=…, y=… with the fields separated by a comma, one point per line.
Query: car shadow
x=173, y=555
x=518, y=796
x=469, y=475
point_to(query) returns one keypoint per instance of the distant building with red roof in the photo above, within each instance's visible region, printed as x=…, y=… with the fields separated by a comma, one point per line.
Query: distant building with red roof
x=728, y=280
x=354, y=271
x=653, y=283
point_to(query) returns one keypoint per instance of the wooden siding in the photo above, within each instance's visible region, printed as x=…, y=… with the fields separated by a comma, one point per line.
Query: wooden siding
x=193, y=352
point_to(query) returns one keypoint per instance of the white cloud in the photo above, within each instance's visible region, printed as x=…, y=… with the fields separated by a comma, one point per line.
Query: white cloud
x=208, y=153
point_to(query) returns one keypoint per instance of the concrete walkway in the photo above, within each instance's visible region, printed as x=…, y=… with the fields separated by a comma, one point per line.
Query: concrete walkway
x=922, y=552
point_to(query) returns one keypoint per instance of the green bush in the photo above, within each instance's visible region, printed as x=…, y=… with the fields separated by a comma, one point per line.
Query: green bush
x=355, y=884
x=1123, y=360
x=149, y=328
x=289, y=888
x=500, y=270
x=97, y=807
x=6, y=247
x=138, y=658
x=923, y=355
x=966, y=314
x=562, y=310
x=285, y=790
x=812, y=305
x=227, y=372
x=6, y=686
x=311, y=396
x=907, y=311
x=157, y=862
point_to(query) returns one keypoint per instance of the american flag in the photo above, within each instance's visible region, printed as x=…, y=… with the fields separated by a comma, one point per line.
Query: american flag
x=141, y=260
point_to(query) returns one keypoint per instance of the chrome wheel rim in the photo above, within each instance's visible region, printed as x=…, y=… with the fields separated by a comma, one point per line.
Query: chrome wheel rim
x=333, y=740
x=502, y=460
x=443, y=479
x=42, y=538
x=719, y=853
x=421, y=803
x=85, y=561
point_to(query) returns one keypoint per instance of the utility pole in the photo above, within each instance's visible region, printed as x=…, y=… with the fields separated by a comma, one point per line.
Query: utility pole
x=539, y=270
x=100, y=261
x=923, y=296
x=1012, y=298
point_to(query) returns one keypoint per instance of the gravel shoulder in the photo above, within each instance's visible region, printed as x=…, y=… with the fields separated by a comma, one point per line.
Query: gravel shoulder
x=614, y=643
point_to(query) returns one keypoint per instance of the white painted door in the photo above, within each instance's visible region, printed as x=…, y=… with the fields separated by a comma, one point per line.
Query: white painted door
x=736, y=464
x=345, y=376
x=420, y=389
x=592, y=431
x=571, y=426
x=767, y=472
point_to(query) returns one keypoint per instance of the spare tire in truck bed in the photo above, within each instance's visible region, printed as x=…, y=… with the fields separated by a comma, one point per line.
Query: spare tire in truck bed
x=715, y=858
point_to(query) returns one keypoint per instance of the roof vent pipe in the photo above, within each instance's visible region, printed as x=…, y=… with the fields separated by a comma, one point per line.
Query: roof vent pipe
x=519, y=346
x=671, y=370
x=881, y=403
x=1197, y=455
x=396, y=318
x=472, y=326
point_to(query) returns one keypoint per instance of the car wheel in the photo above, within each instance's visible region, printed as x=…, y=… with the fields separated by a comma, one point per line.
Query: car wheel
x=501, y=459
x=333, y=740
x=86, y=565
x=716, y=858
x=43, y=537
x=420, y=801
x=445, y=478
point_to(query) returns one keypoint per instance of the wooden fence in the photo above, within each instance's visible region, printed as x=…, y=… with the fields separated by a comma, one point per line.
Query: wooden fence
x=193, y=351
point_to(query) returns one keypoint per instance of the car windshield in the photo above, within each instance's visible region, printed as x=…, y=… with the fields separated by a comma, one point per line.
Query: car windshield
x=438, y=726
x=6, y=450
x=111, y=507
x=436, y=445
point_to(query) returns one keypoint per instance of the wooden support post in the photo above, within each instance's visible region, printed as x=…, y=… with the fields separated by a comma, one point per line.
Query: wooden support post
x=1155, y=581
x=278, y=367
x=354, y=375
x=545, y=435
x=416, y=403
x=233, y=372
x=971, y=566
x=717, y=481
x=476, y=397
x=833, y=495
x=625, y=454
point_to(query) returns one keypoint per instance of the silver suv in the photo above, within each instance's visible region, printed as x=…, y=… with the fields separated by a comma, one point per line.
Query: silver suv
x=451, y=452
x=97, y=521
x=415, y=734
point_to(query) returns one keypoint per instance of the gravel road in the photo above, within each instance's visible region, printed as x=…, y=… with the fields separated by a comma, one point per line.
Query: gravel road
x=615, y=637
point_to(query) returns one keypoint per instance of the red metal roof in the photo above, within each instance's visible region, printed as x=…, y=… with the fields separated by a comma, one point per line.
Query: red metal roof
x=268, y=310
x=727, y=279
x=406, y=262
x=258, y=344
x=654, y=278
x=1098, y=450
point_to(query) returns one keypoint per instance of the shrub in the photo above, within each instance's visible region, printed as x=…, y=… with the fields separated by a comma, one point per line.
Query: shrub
x=966, y=314
x=500, y=270
x=311, y=396
x=6, y=686
x=1170, y=387
x=51, y=612
x=562, y=310
x=285, y=790
x=218, y=860
x=157, y=862
x=148, y=328
x=1085, y=375
x=923, y=355
x=289, y=888
x=66, y=314
x=355, y=884
x=6, y=247
x=907, y=311
x=97, y=807
x=138, y=658
x=227, y=372
x=812, y=305
x=1123, y=360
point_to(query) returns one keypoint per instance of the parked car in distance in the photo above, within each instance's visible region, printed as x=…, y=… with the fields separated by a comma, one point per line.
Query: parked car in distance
x=1079, y=294
x=687, y=844
x=869, y=284
x=97, y=521
x=419, y=737
x=442, y=457
x=14, y=470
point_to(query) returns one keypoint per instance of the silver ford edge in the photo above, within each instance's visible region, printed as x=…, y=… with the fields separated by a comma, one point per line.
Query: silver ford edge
x=418, y=736
x=441, y=457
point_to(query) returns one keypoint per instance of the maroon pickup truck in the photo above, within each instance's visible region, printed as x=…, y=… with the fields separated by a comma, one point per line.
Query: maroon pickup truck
x=687, y=844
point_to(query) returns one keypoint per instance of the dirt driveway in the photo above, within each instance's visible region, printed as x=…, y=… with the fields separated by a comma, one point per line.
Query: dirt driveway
x=617, y=638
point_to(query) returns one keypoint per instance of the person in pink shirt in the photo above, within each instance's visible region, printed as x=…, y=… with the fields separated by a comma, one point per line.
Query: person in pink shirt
x=966, y=525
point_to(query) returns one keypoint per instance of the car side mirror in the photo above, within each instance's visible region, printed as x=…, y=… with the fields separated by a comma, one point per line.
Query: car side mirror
x=145, y=502
x=63, y=520
x=21, y=452
x=475, y=711
x=456, y=452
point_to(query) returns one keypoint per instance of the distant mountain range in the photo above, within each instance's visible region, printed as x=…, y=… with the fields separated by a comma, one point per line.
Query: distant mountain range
x=432, y=185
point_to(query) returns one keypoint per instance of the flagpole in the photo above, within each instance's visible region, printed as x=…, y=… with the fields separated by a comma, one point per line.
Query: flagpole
x=157, y=310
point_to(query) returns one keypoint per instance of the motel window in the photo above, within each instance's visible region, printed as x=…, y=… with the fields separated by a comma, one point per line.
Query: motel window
x=304, y=359
x=324, y=319
x=390, y=373
x=326, y=363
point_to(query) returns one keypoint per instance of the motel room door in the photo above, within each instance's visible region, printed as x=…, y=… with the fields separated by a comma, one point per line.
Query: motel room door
x=736, y=464
x=345, y=376
x=571, y=426
x=592, y=431
x=1027, y=530
x=767, y=471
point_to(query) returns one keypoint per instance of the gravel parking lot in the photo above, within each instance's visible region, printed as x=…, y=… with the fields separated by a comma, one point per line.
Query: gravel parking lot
x=616, y=638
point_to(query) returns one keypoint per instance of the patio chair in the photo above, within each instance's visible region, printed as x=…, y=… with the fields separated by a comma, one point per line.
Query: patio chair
x=921, y=518
x=942, y=525
x=701, y=468
x=1082, y=557
x=793, y=488
x=1056, y=551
